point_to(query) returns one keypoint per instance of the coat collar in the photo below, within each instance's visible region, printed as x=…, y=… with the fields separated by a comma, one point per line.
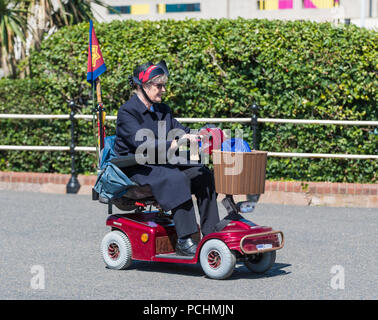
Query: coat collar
x=138, y=107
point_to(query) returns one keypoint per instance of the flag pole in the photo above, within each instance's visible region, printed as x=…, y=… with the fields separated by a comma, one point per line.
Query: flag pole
x=95, y=67
x=94, y=112
x=100, y=114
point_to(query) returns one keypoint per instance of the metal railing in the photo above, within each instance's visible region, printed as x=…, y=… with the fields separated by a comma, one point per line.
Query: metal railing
x=196, y=120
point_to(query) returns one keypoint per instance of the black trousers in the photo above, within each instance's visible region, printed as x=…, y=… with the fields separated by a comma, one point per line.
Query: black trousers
x=203, y=187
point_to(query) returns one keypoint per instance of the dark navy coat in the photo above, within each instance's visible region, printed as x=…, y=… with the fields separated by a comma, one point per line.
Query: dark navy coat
x=169, y=185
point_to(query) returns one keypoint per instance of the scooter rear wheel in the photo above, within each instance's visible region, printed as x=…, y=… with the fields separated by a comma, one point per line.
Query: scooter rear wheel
x=260, y=262
x=116, y=250
x=217, y=261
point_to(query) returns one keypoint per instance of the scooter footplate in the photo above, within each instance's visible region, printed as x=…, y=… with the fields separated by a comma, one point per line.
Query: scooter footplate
x=173, y=256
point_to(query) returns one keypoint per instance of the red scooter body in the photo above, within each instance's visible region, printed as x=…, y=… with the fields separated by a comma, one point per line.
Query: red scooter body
x=153, y=237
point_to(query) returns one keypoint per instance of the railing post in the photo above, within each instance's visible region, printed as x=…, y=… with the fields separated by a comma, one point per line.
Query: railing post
x=254, y=124
x=73, y=184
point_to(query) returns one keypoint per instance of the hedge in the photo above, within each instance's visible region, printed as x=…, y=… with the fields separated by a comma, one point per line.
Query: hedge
x=300, y=70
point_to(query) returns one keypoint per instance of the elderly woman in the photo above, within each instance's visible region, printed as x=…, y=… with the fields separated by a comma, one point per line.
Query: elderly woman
x=172, y=185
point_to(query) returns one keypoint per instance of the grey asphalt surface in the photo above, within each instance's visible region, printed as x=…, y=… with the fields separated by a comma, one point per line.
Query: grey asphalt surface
x=62, y=234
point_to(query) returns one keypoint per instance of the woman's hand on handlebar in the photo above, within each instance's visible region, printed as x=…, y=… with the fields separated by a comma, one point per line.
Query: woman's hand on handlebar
x=186, y=137
x=192, y=137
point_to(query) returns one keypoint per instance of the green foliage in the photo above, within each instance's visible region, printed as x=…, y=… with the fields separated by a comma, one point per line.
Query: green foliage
x=300, y=70
x=37, y=96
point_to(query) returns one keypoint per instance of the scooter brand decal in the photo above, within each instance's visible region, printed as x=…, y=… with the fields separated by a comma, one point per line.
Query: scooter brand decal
x=263, y=246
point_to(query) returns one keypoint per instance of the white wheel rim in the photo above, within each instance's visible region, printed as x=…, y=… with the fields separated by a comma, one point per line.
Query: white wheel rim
x=214, y=259
x=113, y=251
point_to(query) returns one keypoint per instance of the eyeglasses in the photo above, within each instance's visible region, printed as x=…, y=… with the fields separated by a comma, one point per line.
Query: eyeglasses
x=159, y=85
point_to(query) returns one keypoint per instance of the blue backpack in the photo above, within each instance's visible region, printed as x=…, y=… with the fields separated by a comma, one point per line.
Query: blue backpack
x=111, y=182
x=108, y=151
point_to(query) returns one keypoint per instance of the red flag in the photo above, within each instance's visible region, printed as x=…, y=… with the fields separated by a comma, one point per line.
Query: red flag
x=96, y=65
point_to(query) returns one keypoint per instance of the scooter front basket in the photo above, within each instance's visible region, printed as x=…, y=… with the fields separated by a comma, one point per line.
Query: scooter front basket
x=238, y=173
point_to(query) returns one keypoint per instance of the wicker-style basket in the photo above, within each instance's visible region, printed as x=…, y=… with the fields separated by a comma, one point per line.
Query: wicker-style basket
x=239, y=172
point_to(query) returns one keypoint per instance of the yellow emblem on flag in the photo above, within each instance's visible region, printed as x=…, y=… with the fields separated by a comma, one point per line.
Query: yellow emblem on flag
x=95, y=55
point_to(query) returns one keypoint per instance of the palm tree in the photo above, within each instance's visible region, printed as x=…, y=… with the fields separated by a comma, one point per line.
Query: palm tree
x=30, y=21
x=48, y=15
x=12, y=31
x=76, y=11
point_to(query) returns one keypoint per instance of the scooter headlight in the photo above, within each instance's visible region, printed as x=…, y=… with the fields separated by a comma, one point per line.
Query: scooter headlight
x=246, y=206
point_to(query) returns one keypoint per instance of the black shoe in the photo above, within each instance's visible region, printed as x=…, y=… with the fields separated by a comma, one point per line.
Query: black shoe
x=186, y=247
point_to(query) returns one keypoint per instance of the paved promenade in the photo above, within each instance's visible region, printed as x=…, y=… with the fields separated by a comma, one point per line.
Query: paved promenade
x=329, y=253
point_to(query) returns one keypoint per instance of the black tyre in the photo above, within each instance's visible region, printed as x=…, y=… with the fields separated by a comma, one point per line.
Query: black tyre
x=260, y=262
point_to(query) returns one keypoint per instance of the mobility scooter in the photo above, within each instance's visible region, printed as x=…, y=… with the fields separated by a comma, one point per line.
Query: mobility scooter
x=149, y=235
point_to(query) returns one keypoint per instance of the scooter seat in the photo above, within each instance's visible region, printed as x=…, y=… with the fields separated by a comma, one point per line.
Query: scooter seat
x=138, y=192
x=128, y=201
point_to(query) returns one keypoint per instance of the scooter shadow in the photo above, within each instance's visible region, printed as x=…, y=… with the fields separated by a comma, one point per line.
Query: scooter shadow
x=195, y=270
x=242, y=272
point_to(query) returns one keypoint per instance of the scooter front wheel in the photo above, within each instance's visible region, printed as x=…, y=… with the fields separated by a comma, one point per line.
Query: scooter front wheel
x=217, y=261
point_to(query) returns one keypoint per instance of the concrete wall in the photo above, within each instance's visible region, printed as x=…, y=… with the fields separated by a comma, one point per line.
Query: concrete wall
x=348, y=9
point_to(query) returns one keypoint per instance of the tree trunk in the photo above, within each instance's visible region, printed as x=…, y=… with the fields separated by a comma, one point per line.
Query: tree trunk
x=4, y=63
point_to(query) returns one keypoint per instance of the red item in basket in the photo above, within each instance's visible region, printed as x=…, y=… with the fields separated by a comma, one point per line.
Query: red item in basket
x=213, y=139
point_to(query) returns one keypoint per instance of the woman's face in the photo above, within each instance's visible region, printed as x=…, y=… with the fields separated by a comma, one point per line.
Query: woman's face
x=155, y=91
